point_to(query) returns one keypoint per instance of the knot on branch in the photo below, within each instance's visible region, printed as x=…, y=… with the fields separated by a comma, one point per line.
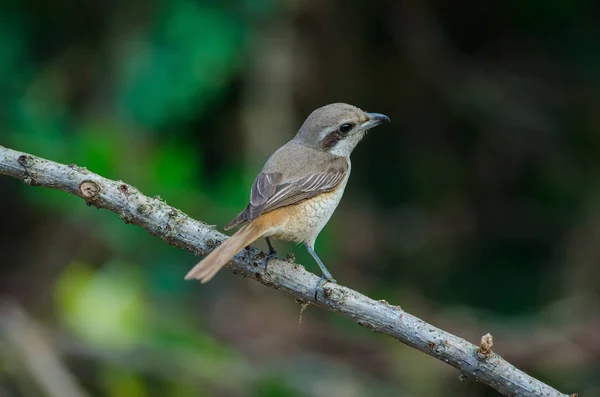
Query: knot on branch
x=485, y=348
x=25, y=160
x=89, y=189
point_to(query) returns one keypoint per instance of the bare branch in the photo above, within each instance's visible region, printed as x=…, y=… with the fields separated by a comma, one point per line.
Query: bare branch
x=178, y=229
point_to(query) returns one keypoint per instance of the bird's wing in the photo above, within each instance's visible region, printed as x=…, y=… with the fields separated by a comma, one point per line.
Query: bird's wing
x=272, y=190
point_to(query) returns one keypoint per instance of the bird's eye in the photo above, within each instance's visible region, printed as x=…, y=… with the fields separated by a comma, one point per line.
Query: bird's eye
x=345, y=128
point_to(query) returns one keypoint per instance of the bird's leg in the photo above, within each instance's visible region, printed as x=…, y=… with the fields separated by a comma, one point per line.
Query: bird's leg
x=326, y=276
x=271, y=254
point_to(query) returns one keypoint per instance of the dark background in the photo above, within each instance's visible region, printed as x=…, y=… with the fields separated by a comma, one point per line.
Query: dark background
x=477, y=209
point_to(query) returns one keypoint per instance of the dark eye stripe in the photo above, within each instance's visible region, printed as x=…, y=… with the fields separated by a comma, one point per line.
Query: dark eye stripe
x=331, y=140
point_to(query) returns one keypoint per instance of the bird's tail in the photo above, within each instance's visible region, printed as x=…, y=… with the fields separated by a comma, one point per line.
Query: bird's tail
x=209, y=266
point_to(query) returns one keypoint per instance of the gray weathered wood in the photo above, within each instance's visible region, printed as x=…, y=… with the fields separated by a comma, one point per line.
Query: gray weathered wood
x=178, y=229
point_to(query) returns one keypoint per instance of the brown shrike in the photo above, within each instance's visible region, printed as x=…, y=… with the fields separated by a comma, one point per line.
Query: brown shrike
x=299, y=187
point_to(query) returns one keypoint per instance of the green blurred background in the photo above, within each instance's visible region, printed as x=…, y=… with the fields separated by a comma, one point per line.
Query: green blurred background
x=477, y=209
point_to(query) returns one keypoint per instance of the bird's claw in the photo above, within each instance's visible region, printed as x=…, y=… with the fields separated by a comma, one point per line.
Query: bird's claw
x=324, y=279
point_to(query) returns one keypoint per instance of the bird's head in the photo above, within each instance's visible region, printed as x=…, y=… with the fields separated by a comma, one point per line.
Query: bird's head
x=337, y=128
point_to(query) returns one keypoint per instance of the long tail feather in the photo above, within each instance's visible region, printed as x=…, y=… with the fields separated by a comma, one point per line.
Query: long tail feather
x=209, y=266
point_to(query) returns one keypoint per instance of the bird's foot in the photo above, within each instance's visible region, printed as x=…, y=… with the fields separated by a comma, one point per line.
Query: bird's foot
x=324, y=279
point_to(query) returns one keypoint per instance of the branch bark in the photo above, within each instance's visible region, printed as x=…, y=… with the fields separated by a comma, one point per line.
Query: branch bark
x=178, y=229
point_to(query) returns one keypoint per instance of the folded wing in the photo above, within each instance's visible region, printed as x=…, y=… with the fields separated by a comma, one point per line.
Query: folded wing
x=271, y=190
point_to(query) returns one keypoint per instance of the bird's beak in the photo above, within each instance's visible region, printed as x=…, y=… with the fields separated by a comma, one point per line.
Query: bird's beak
x=373, y=120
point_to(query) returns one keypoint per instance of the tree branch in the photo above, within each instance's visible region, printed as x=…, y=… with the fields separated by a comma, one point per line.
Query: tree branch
x=178, y=229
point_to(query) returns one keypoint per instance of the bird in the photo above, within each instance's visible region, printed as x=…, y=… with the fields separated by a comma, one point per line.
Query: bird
x=298, y=189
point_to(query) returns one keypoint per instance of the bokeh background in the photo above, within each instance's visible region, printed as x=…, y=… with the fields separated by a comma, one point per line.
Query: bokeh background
x=477, y=209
